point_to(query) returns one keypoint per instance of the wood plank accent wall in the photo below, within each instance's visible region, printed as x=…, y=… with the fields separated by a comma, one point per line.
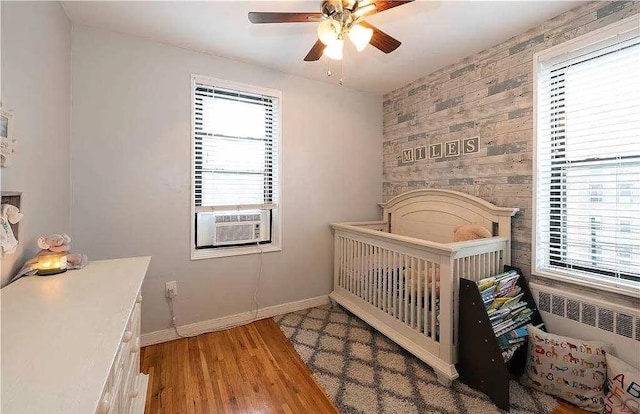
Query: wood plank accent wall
x=488, y=95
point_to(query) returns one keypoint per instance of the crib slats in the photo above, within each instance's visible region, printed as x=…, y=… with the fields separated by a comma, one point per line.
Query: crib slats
x=490, y=270
x=392, y=283
x=385, y=282
x=412, y=282
x=348, y=266
x=362, y=271
x=365, y=272
x=427, y=287
x=398, y=285
x=434, y=303
x=390, y=272
x=343, y=261
x=388, y=281
x=419, y=326
x=380, y=267
x=345, y=276
x=407, y=275
x=403, y=283
x=370, y=273
x=359, y=269
x=343, y=256
x=401, y=288
x=352, y=265
x=371, y=270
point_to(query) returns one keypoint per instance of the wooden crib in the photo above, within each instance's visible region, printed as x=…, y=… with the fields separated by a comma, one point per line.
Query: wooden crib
x=401, y=274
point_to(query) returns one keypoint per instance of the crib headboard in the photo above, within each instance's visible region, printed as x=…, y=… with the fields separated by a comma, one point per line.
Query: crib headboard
x=432, y=214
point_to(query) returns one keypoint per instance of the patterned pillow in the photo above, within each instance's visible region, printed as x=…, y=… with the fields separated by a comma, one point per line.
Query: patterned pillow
x=571, y=369
x=623, y=382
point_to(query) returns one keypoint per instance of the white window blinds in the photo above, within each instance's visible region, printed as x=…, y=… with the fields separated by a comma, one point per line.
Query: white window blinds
x=235, y=149
x=588, y=160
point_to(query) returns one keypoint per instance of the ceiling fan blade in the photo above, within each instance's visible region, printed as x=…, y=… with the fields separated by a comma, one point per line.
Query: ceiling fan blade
x=381, y=40
x=275, y=17
x=380, y=6
x=316, y=52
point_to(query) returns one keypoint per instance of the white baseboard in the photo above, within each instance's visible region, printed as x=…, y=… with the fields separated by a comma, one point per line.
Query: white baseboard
x=226, y=322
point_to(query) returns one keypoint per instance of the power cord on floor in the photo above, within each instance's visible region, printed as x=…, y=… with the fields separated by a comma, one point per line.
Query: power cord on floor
x=173, y=320
x=256, y=291
x=257, y=288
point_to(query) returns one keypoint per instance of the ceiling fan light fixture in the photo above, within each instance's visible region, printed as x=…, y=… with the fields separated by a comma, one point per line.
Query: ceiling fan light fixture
x=336, y=20
x=360, y=36
x=364, y=9
x=334, y=50
x=328, y=31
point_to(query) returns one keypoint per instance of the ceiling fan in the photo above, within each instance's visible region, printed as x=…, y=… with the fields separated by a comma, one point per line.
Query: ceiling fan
x=337, y=20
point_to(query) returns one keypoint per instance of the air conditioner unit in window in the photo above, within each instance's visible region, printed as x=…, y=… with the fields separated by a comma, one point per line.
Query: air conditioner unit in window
x=228, y=229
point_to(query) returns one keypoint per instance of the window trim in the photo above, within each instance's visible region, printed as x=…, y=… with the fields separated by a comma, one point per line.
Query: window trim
x=608, y=34
x=276, y=231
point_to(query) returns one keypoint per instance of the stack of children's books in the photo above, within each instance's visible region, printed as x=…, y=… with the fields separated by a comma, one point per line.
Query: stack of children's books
x=508, y=312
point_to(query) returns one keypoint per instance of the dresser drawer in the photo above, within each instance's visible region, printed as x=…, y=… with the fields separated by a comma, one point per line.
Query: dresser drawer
x=130, y=388
x=106, y=402
x=131, y=338
x=116, y=405
x=132, y=330
x=109, y=402
x=122, y=379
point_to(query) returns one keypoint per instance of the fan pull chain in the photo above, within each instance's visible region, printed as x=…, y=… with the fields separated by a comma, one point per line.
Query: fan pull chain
x=329, y=73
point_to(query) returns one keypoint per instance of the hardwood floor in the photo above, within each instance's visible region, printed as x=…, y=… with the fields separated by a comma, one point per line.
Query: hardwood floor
x=249, y=369
x=252, y=369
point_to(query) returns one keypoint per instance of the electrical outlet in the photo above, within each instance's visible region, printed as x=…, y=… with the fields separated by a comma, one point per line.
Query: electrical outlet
x=171, y=289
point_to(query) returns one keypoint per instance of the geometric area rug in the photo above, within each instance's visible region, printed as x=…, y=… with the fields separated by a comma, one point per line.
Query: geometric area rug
x=363, y=372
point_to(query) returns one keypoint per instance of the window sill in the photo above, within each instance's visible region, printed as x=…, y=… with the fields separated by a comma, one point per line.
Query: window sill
x=232, y=251
x=589, y=282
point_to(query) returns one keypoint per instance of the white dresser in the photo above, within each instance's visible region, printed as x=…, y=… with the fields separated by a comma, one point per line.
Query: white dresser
x=70, y=343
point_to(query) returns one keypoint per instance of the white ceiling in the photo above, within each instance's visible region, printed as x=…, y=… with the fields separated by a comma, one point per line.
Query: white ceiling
x=433, y=33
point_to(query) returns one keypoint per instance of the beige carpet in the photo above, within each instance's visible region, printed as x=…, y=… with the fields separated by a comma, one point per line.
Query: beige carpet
x=364, y=372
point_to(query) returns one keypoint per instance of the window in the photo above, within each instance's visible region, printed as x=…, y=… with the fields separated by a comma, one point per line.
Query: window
x=236, y=141
x=587, y=191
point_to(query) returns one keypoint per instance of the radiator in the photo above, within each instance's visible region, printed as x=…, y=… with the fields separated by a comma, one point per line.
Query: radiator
x=585, y=317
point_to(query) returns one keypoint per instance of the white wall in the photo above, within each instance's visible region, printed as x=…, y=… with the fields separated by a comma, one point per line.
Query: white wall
x=130, y=169
x=35, y=86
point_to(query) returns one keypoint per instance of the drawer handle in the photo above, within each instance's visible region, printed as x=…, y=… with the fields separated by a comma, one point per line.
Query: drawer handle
x=127, y=336
x=103, y=406
x=139, y=299
x=133, y=394
x=136, y=348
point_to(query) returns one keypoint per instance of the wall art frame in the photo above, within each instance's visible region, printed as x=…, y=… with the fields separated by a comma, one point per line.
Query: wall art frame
x=8, y=144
